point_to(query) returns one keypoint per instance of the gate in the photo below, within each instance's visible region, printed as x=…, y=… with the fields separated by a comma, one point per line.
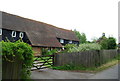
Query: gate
x=44, y=61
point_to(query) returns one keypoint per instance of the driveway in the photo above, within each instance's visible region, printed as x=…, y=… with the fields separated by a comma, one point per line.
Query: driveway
x=111, y=73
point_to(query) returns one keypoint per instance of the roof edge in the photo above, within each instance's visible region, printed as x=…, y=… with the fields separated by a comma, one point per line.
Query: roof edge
x=35, y=21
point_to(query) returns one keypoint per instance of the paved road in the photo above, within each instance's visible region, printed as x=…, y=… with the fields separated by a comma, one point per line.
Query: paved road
x=111, y=73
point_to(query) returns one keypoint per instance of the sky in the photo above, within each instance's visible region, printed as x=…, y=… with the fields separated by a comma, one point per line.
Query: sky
x=92, y=17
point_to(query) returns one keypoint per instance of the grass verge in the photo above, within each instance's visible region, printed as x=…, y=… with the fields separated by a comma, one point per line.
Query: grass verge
x=107, y=65
x=86, y=69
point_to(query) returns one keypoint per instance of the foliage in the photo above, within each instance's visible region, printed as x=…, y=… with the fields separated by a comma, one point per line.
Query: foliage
x=85, y=47
x=21, y=50
x=89, y=46
x=45, y=51
x=90, y=69
x=81, y=36
x=112, y=43
x=71, y=67
x=104, y=43
x=108, y=43
x=94, y=39
x=69, y=46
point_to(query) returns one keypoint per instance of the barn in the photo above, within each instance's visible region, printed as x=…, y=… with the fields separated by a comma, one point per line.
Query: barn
x=37, y=34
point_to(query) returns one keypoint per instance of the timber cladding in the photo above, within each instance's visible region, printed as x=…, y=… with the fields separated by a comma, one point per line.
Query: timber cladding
x=86, y=59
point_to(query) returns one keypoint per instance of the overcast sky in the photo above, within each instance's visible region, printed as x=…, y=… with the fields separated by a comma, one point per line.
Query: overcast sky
x=92, y=17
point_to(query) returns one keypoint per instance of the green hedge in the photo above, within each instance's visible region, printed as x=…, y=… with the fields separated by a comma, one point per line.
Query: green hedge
x=21, y=50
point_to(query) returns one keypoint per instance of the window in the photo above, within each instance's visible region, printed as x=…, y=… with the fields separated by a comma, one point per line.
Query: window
x=13, y=33
x=0, y=31
x=61, y=40
x=21, y=35
x=70, y=42
x=63, y=48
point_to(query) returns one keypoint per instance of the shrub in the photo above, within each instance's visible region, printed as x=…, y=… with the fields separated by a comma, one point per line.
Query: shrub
x=104, y=43
x=112, y=43
x=70, y=46
x=85, y=47
x=72, y=67
x=21, y=50
x=48, y=52
x=108, y=43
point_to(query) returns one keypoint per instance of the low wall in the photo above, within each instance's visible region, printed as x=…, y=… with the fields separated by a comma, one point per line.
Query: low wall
x=86, y=59
x=37, y=51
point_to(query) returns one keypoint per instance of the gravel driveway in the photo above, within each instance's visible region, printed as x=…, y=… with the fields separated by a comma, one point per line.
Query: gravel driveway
x=111, y=73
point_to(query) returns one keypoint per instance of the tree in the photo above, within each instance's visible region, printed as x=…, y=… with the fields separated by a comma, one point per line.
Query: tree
x=107, y=43
x=104, y=43
x=112, y=43
x=81, y=36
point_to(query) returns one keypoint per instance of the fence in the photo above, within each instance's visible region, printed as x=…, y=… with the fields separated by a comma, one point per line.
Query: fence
x=12, y=70
x=43, y=61
x=86, y=59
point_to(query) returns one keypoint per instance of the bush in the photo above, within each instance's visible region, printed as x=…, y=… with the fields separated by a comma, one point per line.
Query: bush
x=21, y=50
x=72, y=67
x=112, y=43
x=104, y=43
x=48, y=52
x=108, y=43
x=69, y=46
x=85, y=47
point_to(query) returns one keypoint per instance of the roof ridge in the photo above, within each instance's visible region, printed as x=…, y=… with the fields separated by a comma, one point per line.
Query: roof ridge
x=36, y=21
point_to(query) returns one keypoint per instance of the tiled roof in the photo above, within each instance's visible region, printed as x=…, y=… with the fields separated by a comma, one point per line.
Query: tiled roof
x=39, y=33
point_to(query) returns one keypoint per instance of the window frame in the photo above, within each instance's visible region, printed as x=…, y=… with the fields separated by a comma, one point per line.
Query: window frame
x=0, y=31
x=70, y=42
x=21, y=34
x=13, y=33
x=61, y=40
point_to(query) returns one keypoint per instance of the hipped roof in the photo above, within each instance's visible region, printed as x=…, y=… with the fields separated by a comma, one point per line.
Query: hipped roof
x=39, y=33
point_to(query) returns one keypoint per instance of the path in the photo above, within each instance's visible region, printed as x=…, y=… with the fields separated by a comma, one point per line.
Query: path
x=111, y=73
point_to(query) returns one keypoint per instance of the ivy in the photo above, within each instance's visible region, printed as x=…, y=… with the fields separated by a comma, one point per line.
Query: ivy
x=21, y=50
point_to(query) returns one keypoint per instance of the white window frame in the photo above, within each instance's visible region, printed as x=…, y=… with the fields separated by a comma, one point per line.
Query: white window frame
x=63, y=48
x=61, y=40
x=13, y=33
x=70, y=42
x=0, y=31
x=21, y=34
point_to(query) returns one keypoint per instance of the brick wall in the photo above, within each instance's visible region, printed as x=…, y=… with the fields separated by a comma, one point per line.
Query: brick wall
x=37, y=51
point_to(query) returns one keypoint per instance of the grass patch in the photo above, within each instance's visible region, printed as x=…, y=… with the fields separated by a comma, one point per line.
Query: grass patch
x=86, y=69
x=107, y=65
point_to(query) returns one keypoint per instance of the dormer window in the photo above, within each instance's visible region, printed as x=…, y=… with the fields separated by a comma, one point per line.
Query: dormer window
x=21, y=35
x=70, y=42
x=0, y=31
x=61, y=40
x=13, y=33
